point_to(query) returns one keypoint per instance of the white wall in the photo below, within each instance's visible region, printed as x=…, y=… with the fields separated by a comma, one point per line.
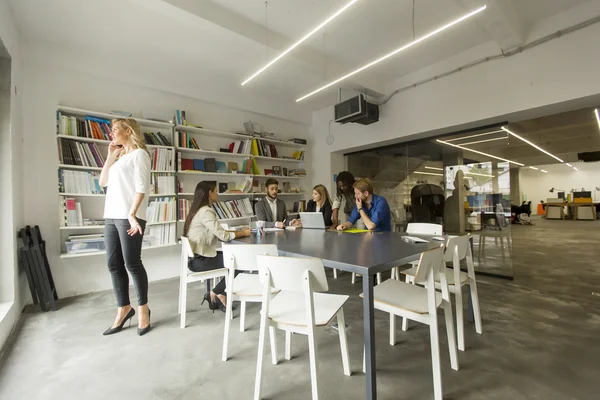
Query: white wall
x=13, y=293
x=535, y=185
x=556, y=76
x=47, y=86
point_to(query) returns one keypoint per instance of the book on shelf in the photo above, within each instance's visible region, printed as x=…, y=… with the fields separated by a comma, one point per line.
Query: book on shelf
x=184, y=208
x=156, y=235
x=180, y=117
x=249, y=166
x=80, y=182
x=87, y=127
x=162, y=209
x=162, y=159
x=263, y=149
x=299, y=206
x=298, y=155
x=233, y=208
x=297, y=172
x=70, y=212
x=187, y=141
x=240, y=146
x=210, y=165
x=157, y=139
x=72, y=152
x=162, y=183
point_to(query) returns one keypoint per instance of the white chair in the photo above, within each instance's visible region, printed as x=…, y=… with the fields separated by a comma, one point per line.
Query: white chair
x=421, y=304
x=186, y=277
x=416, y=229
x=298, y=308
x=458, y=248
x=244, y=287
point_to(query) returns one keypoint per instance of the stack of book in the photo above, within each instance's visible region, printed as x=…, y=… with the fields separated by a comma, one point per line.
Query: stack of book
x=157, y=139
x=163, y=159
x=233, y=208
x=298, y=155
x=185, y=140
x=297, y=172
x=89, y=127
x=264, y=149
x=300, y=206
x=88, y=243
x=180, y=117
x=161, y=210
x=76, y=153
x=70, y=212
x=155, y=235
x=184, y=208
x=162, y=183
x=80, y=182
x=240, y=146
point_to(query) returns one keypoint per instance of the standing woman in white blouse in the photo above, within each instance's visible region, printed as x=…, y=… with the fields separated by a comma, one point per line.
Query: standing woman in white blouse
x=126, y=173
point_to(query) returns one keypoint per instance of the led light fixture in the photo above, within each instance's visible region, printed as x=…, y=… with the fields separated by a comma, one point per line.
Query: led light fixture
x=472, y=136
x=428, y=173
x=436, y=168
x=531, y=144
x=473, y=173
x=597, y=116
x=458, y=146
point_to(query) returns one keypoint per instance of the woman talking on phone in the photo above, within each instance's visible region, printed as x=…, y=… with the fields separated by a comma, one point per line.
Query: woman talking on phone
x=126, y=174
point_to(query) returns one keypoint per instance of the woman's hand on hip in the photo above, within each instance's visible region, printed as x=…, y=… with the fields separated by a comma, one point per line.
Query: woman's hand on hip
x=135, y=226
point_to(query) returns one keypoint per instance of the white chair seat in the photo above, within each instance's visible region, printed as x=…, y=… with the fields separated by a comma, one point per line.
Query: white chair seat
x=248, y=285
x=403, y=295
x=200, y=276
x=290, y=308
x=464, y=277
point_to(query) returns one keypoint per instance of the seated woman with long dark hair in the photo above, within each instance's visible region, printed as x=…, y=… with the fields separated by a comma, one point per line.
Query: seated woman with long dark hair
x=204, y=231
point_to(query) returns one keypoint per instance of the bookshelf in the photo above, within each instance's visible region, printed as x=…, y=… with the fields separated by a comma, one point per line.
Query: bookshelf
x=82, y=143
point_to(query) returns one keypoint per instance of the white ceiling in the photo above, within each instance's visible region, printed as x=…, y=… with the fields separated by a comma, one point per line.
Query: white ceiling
x=225, y=40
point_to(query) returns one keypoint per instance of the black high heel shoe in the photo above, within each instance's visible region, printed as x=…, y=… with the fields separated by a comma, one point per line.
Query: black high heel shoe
x=211, y=305
x=119, y=328
x=219, y=304
x=143, y=331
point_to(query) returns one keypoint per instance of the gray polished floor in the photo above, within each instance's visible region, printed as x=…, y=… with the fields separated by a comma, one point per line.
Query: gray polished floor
x=540, y=341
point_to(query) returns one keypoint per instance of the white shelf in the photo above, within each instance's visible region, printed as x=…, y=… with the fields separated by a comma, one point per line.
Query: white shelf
x=162, y=195
x=213, y=132
x=280, y=177
x=189, y=172
x=162, y=171
x=161, y=223
x=73, y=228
x=96, y=253
x=84, y=139
x=81, y=195
x=278, y=159
x=211, y=152
x=153, y=146
x=229, y=219
x=78, y=112
x=79, y=167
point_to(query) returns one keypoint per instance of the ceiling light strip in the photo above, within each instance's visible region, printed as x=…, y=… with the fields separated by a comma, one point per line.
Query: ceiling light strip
x=544, y=171
x=472, y=136
x=479, y=152
x=428, y=173
x=483, y=141
x=411, y=44
x=435, y=168
x=597, y=117
x=292, y=47
x=537, y=169
x=531, y=144
x=486, y=175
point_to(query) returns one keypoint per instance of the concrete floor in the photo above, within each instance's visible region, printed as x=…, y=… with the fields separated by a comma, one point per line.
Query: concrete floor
x=540, y=341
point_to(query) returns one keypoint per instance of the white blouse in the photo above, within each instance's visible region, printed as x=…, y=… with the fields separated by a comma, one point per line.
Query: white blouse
x=129, y=175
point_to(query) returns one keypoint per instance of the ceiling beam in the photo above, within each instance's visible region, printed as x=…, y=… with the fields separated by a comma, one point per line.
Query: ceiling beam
x=215, y=14
x=501, y=21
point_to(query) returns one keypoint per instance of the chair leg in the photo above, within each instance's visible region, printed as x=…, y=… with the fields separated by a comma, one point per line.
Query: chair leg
x=460, y=327
x=353, y=278
x=435, y=358
x=451, y=336
x=273, y=340
x=476, y=309
x=334, y=273
x=393, y=273
x=183, y=303
x=243, y=317
x=379, y=278
x=314, y=362
x=392, y=329
x=261, y=353
x=407, y=279
x=364, y=360
x=228, y=317
x=343, y=342
x=288, y=345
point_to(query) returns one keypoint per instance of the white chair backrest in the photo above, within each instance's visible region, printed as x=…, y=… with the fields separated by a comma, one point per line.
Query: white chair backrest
x=186, y=248
x=424, y=229
x=242, y=257
x=430, y=260
x=287, y=273
x=457, y=242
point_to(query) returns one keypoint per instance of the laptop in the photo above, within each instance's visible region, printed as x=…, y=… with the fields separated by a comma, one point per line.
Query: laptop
x=312, y=220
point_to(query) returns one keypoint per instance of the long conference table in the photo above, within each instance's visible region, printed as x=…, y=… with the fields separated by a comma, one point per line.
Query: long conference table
x=362, y=253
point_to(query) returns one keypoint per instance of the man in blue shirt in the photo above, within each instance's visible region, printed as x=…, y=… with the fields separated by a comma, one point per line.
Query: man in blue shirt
x=372, y=209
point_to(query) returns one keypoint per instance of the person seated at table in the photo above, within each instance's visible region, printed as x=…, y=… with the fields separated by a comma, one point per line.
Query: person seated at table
x=372, y=209
x=204, y=231
x=271, y=209
x=320, y=203
x=344, y=200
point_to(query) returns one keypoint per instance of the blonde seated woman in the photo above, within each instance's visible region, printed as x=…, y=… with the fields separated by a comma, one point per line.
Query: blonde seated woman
x=321, y=202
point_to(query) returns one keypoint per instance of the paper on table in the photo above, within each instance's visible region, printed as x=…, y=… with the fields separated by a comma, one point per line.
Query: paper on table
x=272, y=229
x=354, y=230
x=414, y=239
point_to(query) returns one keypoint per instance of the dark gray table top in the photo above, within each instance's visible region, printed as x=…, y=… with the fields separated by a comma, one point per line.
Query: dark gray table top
x=363, y=253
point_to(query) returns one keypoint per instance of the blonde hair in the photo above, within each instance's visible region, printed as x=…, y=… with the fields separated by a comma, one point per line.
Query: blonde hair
x=322, y=190
x=137, y=138
x=364, y=185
